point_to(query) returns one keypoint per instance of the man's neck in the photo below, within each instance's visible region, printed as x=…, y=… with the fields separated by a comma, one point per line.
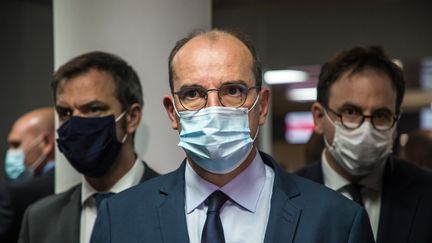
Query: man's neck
x=222, y=179
x=124, y=162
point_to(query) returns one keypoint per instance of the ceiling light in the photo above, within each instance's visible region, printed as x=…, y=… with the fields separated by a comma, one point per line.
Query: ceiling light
x=285, y=76
x=303, y=94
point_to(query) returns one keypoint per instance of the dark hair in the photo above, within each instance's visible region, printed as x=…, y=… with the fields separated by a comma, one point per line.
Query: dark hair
x=128, y=88
x=214, y=34
x=354, y=61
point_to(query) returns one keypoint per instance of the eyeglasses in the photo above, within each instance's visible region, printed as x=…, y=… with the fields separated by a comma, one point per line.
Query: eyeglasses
x=352, y=118
x=230, y=95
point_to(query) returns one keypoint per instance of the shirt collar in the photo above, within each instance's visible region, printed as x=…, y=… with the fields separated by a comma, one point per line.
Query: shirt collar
x=131, y=178
x=335, y=181
x=48, y=166
x=242, y=189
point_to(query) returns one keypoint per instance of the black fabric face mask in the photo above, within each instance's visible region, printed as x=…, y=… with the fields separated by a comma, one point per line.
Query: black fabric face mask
x=90, y=144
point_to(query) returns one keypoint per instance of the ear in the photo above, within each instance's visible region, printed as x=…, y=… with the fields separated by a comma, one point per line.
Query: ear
x=264, y=104
x=318, y=117
x=168, y=103
x=133, y=118
x=47, y=143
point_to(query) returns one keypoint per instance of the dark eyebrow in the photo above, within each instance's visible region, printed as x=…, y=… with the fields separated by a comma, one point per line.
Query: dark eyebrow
x=236, y=82
x=381, y=109
x=353, y=106
x=83, y=106
x=190, y=86
x=61, y=108
x=200, y=86
x=93, y=103
x=349, y=105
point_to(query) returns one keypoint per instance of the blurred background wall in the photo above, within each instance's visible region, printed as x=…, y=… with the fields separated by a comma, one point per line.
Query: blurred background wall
x=289, y=34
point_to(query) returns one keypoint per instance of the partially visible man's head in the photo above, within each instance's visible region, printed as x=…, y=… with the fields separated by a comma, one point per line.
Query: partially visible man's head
x=33, y=134
x=215, y=74
x=215, y=35
x=354, y=61
x=209, y=59
x=359, y=96
x=98, y=98
x=127, y=86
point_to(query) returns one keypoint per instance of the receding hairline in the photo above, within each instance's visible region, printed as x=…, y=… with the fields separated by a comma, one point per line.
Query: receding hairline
x=213, y=37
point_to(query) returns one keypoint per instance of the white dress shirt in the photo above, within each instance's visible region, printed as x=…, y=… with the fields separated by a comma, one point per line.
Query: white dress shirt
x=371, y=189
x=88, y=203
x=244, y=217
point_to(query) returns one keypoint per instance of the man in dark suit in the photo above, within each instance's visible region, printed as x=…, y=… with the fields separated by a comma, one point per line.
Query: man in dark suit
x=225, y=190
x=360, y=92
x=98, y=98
x=29, y=165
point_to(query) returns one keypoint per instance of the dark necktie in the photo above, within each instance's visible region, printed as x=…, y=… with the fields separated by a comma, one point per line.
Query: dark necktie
x=213, y=230
x=354, y=190
x=99, y=197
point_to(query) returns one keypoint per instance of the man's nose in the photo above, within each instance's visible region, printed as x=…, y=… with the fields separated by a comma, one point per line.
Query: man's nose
x=77, y=113
x=213, y=98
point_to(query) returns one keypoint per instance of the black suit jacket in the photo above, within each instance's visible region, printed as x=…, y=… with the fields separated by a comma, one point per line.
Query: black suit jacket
x=406, y=202
x=57, y=217
x=15, y=197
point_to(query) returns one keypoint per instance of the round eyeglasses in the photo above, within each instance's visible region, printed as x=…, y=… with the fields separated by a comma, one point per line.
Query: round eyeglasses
x=351, y=118
x=194, y=98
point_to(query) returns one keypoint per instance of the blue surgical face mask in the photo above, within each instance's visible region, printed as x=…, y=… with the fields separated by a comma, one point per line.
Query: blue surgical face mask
x=90, y=143
x=216, y=138
x=14, y=164
x=15, y=167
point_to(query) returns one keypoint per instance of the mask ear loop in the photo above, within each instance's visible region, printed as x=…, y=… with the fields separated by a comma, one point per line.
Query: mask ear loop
x=33, y=144
x=36, y=164
x=327, y=144
x=175, y=108
x=118, y=119
x=258, y=128
x=121, y=116
x=256, y=134
x=253, y=106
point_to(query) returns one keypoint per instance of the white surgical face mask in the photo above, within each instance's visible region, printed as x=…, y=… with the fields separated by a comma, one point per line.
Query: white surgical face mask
x=359, y=151
x=216, y=138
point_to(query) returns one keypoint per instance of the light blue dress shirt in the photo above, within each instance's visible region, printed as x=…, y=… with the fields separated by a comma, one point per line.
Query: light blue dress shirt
x=244, y=217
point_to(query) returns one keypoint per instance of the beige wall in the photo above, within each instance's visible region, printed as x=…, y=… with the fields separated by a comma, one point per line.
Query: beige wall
x=143, y=33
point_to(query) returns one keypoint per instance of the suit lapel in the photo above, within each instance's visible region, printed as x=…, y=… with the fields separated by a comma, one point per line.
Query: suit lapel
x=171, y=209
x=284, y=215
x=68, y=227
x=283, y=219
x=399, y=202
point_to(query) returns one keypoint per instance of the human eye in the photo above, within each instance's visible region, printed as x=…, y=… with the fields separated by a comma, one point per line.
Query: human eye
x=64, y=113
x=350, y=112
x=233, y=90
x=192, y=93
x=383, y=115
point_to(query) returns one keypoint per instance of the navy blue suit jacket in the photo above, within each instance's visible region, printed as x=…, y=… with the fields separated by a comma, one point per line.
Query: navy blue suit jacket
x=406, y=206
x=301, y=211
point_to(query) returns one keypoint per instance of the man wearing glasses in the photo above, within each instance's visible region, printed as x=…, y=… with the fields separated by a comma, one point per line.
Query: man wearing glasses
x=225, y=190
x=360, y=92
